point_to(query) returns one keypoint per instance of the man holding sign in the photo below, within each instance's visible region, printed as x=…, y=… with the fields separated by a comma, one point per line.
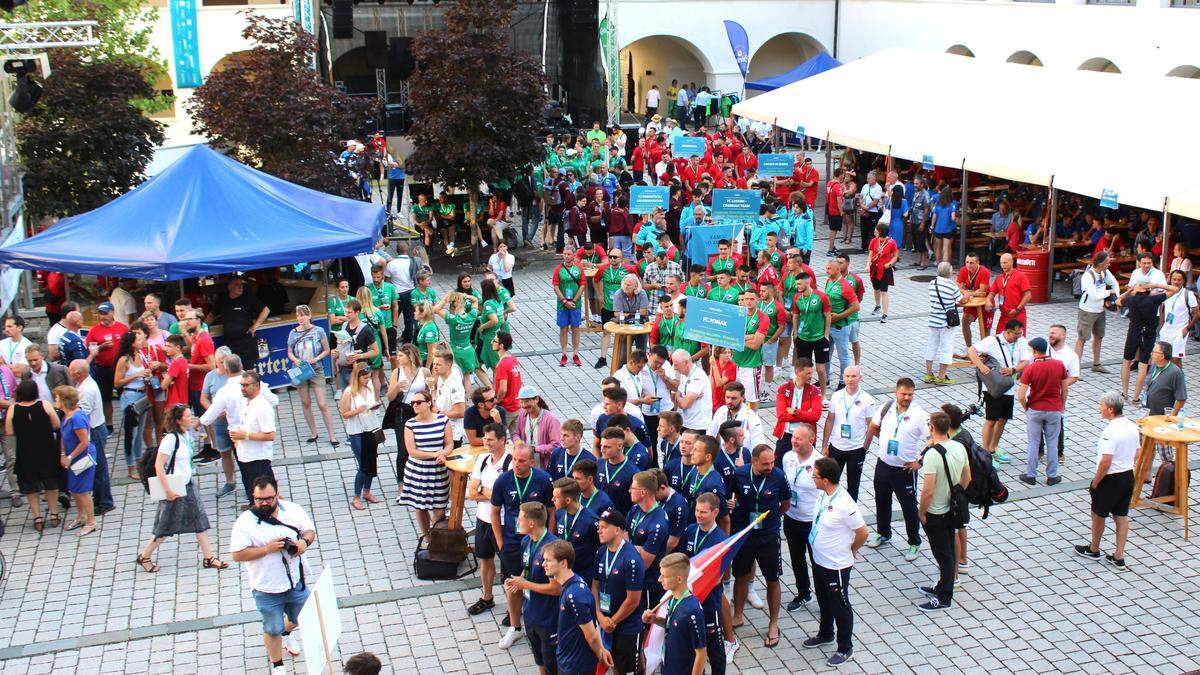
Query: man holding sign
x=749, y=359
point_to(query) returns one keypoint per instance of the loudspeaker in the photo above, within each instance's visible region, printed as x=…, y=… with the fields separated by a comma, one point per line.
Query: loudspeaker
x=584, y=13
x=400, y=57
x=343, y=20
x=377, y=48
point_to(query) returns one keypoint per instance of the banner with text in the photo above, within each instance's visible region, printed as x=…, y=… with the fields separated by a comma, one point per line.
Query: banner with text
x=736, y=203
x=688, y=146
x=771, y=165
x=646, y=198
x=185, y=44
x=701, y=241
x=716, y=323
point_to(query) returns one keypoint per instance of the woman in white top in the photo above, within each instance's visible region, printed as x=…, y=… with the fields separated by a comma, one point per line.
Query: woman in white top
x=357, y=407
x=1181, y=261
x=178, y=513
x=449, y=397
x=408, y=379
x=132, y=379
x=1180, y=313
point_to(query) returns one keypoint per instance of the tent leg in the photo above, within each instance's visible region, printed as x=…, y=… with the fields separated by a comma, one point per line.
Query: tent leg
x=963, y=216
x=1051, y=227
x=1165, y=263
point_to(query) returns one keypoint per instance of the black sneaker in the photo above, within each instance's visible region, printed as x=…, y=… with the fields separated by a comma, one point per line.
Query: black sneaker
x=601, y=362
x=928, y=590
x=506, y=623
x=798, y=602
x=818, y=641
x=1054, y=481
x=1087, y=552
x=1118, y=563
x=839, y=658
x=480, y=607
x=1028, y=480
x=933, y=605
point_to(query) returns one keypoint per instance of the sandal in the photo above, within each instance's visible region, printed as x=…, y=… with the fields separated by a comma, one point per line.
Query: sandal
x=39, y=523
x=357, y=504
x=74, y=526
x=371, y=499
x=770, y=642
x=146, y=563
x=215, y=563
x=132, y=471
x=311, y=440
x=55, y=521
x=87, y=530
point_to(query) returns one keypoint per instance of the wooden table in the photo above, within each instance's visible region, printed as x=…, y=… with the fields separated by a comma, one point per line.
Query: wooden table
x=623, y=334
x=978, y=303
x=1158, y=430
x=460, y=463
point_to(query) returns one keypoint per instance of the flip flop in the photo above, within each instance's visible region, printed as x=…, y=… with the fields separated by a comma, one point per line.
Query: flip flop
x=771, y=642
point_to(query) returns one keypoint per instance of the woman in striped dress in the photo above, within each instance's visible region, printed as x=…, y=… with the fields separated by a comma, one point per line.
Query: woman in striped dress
x=426, y=480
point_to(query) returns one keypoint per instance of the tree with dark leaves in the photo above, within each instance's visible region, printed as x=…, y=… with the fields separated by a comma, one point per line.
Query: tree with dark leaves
x=478, y=101
x=268, y=109
x=86, y=142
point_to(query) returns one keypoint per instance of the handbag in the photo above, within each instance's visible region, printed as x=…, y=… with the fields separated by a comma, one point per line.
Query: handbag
x=82, y=464
x=146, y=467
x=301, y=373
x=380, y=438
x=952, y=319
x=141, y=405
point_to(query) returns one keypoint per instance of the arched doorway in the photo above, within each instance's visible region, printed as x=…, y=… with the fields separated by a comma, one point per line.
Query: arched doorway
x=1099, y=64
x=658, y=59
x=1025, y=58
x=1190, y=72
x=779, y=55
x=961, y=50
x=228, y=59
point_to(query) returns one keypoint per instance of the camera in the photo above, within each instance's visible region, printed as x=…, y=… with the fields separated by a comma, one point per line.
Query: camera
x=290, y=547
x=970, y=411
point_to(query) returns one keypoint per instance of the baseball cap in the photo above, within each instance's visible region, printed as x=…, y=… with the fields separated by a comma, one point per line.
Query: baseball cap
x=1038, y=344
x=105, y=308
x=528, y=391
x=615, y=518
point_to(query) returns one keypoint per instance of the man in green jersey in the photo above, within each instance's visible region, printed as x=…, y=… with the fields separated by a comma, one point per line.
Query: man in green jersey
x=608, y=281
x=568, y=282
x=422, y=216
x=810, y=326
x=667, y=329
x=768, y=304
x=843, y=303
x=724, y=290
x=386, y=300
x=696, y=286
x=749, y=358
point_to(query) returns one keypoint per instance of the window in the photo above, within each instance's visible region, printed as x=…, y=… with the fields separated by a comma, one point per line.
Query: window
x=1129, y=3
x=1185, y=3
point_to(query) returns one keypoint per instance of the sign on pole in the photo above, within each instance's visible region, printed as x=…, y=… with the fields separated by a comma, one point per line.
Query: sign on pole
x=1108, y=199
x=688, y=146
x=927, y=162
x=320, y=625
x=776, y=164
x=716, y=323
x=646, y=198
x=736, y=203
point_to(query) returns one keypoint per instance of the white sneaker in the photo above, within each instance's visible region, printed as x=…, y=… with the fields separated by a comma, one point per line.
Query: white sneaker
x=511, y=637
x=964, y=569
x=755, y=601
x=279, y=670
x=876, y=540
x=291, y=644
x=730, y=649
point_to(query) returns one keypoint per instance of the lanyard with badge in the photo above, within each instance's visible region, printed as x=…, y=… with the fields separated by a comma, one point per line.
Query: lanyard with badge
x=608, y=474
x=672, y=604
x=569, y=523
x=521, y=490
x=638, y=519
x=893, y=444
x=657, y=404
x=1003, y=288
x=695, y=484
x=757, y=511
x=806, y=468
x=697, y=540
x=610, y=559
x=569, y=463
x=666, y=450
x=846, y=429
x=1181, y=296
x=532, y=427
x=823, y=504
x=528, y=561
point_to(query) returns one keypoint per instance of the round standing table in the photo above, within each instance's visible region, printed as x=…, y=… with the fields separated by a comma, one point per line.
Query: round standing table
x=460, y=462
x=1162, y=429
x=623, y=334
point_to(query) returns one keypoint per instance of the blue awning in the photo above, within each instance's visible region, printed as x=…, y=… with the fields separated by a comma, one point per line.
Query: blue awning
x=817, y=64
x=205, y=214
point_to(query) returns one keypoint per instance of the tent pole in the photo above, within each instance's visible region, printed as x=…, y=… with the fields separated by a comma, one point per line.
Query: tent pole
x=1051, y=227
x=887, y=165
x=1166, y=235
x=963, y=216
x=828, y=160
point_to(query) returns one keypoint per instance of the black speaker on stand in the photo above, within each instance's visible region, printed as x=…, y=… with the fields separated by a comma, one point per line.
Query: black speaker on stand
x=400, y=57
x=343, y=20
x=376, y=48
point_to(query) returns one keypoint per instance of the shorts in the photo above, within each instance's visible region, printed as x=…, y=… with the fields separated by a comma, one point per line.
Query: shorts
x=625, y=647
x=766, y=551
x=607, y=315
x=751, y=379
x=1090, y=324
x=834, y=222
x=943, y=235
x=854, y=326
x=32, y=487
x=817, y=351
x=1113, y=495
x=222, y=442
x=273, y=607
x=997, y=408
x=465, y=358
x=541, y=641
x=485, y=541
x=571, y=318
x=770, y=352
x=882, y=284
x=103, y=375
x=1177, y=339
x=1138, y=344
x=510, y=560
x=970, y=314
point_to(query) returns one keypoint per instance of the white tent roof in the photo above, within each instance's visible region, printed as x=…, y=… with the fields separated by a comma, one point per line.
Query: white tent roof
x=1012, y=121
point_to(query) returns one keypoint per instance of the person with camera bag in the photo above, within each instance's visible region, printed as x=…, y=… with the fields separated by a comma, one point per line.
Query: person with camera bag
x=943, y=508
x=271, y=539
x=1006, y=354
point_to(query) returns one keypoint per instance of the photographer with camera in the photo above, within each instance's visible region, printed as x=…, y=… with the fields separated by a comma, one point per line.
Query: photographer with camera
x=271, y=539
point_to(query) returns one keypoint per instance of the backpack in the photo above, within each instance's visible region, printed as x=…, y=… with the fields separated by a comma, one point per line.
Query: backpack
x=146, y=463
x=960, y=512
x=985, y=487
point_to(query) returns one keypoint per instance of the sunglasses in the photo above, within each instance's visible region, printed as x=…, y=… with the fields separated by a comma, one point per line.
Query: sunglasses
x=420, y=400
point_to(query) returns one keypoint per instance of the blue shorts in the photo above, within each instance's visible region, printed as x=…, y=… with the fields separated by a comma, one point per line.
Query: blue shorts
x=572, y=318
x=854, y=331
x=273, y=606
x=769, y=352
x=221, y=434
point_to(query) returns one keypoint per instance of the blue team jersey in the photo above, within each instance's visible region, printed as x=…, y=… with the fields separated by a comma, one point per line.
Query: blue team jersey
x=696, y=484
x=615, y=480
x=727, y=465
x=538, y=609
x=637, y=426
x=668, y=452
x=509, y=492
x=676, y=508
x=617, y=575
x=693, y=542
x=576, y=608
x=580, y=531
x=561, y=462
x=649, y=530
x=758, y=494
x=675, y=471
x=599, y=503
x=685, y=634
x=638, y=454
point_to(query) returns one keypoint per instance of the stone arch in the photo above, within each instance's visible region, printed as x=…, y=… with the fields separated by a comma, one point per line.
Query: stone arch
x=1025, y=58
x=781, y=53
x=658, y=59
x=961, y=50
x=1190, y=72
x=1099, y=64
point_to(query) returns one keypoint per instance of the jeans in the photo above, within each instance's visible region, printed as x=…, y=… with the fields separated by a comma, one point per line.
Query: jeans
x=395, y=187
x=273, y=607
x=623, y=242
x=891, y=480
x=362, y=482
x=852, y=467
x=833, y=597
x=1037, y=423
x=840, y=339
x=531, y=219
x=406, y=312
x=133, y=434
x=796, y=532
x=102, y=488
x=941, y=543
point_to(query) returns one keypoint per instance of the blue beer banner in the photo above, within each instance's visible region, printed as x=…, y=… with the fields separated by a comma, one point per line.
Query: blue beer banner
x=688, y=146
x=715, y=323
x=186, y=44
x=646, y=198
x=736, y=203
x=770, y=165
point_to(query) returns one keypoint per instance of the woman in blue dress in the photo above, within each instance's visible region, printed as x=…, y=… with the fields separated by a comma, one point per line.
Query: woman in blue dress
x=76, y=446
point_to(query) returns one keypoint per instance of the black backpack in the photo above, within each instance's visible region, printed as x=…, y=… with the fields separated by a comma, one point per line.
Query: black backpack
x=985, y=487
x=146, y=463
x=960, y=512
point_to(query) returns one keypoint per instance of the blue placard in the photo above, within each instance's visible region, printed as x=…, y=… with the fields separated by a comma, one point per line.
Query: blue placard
x=736, y=203
x=770, y=164
x=927, y=162
x=688, y=146
x=701, y=242
x=800, y=131
x=186, y=44
x=1108, y=199
x=715, y=323
x=273, y=340
x=646, y=198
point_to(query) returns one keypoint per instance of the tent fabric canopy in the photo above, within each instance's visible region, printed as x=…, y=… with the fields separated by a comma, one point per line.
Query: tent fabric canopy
x=1064, y=125
x=205, y=214
x=817, y=64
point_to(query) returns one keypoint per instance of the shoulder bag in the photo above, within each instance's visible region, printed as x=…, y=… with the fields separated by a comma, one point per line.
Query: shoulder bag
x=959, y=511
x=952, y=320
x=178, y=483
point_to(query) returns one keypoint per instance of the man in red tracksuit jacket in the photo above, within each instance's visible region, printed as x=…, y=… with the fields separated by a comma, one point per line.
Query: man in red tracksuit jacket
x=798, y=401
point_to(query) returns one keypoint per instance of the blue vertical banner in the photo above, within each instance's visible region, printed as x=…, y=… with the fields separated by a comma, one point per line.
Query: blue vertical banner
x=186, y=44
x=302, y=11
x=740, y=44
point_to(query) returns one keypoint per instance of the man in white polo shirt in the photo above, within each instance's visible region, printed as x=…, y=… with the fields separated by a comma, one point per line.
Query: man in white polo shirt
x=902, y=427
x=737, y=410
x=1112, y=485
x=249, y=409
x=692, y=392
x=850, y=411
x=1097, y=285
x=1008, y=353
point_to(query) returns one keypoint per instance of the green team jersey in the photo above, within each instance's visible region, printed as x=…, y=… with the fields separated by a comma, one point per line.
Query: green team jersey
x=724, y=265
x=174, y=329
x=610, y=282
x=427, y=335
x=669, y=332
x=568, y=281
x=446, y=211
x=742, y=286
x=810, y=316
x=384, y=294
x=689, y=346
x=428, y=295
x=337, y=306
x=789, y=289
x=776, y=259
x=375, y=323
x=771, y=309
x=697, y=291
x=641, y=268
x=746, y=357
x=835, y=291
x=857, y=284
x=592, y=257
x=616, y=162
x=421, y=213
x=459, y=326
x=491, y=307
x=503, y=296
x=728, y=296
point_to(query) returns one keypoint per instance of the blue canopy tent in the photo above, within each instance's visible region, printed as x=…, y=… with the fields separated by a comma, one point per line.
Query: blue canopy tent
x=205, y=214
x=817, y=64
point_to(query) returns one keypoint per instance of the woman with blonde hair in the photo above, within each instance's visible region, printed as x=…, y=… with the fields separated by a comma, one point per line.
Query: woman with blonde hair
x=427, y=332
x=358, y=405
x=373, y=316
x=308, y=343
x=408, y=379
x=78, y=456
x=461, y=314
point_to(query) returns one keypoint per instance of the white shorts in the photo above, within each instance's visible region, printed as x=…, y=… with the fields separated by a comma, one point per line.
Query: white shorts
x=751, y=379
x=939, y=346
x=1178, y=340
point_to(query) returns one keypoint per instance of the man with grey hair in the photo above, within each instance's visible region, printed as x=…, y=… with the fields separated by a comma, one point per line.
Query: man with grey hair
x=691, y=393
x=1166, y=385
x=1112, y=485
x=944, y=297
x=90, y=403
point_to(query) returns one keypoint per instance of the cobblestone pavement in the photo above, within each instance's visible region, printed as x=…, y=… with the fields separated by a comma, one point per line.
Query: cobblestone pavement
x=1029, y=604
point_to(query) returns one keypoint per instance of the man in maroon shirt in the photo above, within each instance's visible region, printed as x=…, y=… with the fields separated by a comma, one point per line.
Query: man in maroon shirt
x=1042, y=392
x=102, y=340
x=619, y=223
